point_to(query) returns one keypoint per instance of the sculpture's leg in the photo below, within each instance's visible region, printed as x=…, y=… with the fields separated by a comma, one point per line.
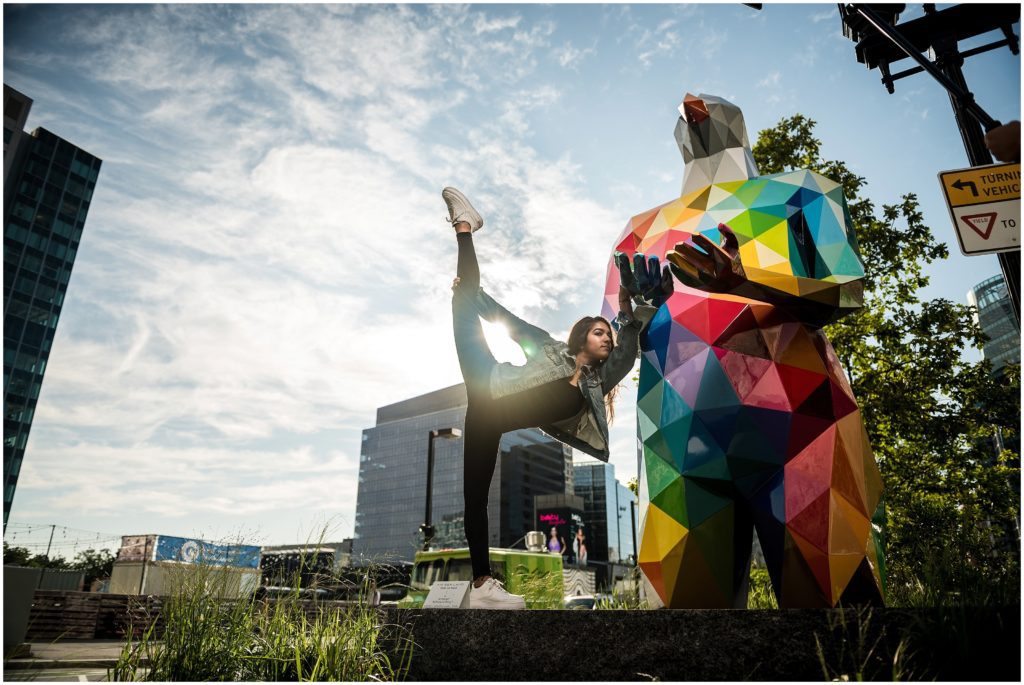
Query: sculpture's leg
x=704, y=561
x=820, y=544
x=796, y=575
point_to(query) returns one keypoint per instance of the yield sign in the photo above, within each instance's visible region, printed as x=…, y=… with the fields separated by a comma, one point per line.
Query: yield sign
x=981, y=223
x=984, y=204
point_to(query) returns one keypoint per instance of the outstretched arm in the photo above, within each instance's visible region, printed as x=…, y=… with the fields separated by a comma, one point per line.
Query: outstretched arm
x=649, y=285
x=529, y=337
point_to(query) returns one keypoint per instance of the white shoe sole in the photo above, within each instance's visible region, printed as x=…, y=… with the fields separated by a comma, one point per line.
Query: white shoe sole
x=508, y=606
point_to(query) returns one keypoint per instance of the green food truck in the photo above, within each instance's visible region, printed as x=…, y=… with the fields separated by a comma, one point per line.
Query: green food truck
x=535, y=575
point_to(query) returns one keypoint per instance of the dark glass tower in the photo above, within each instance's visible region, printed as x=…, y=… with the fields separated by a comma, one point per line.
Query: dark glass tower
x=48, y=184
x=995, y=316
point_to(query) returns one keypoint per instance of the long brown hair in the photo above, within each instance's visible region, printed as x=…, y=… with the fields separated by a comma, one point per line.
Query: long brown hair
x=578, y=339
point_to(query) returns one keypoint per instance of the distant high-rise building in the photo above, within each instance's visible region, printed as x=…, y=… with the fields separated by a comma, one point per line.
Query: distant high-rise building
x=391, y=500
x=606, y=511
x=48, y=184
x=995, y=316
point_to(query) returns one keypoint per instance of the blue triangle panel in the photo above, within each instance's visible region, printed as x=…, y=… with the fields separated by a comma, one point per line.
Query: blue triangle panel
x=715, y=388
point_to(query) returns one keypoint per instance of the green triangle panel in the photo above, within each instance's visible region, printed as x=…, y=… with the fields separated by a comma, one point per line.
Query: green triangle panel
x=650, y=404
x=716, y=469
x=731, y=202
x=672, y=501
x=677, y=436
x=703, y=502
x=659, y=474
x=657, y=445
x=646, y=427
x=649, y=375
x=708, y=536
x=749, y=193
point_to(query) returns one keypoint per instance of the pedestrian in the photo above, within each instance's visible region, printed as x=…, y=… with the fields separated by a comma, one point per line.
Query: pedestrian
x=566, y=389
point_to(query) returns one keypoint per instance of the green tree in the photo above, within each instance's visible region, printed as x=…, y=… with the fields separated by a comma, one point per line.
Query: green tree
x=16, y=556
x=931, y=416
x=20, y=556
x=96, y=564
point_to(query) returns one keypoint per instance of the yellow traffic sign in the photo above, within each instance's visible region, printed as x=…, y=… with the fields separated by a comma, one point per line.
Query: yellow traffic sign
x=984, y=203
x=979, y=185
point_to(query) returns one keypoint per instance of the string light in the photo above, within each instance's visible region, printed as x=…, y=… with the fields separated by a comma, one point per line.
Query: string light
x=70, y=542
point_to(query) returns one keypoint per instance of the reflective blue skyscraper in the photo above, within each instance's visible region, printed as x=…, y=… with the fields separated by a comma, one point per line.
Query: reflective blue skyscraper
x=48, y=184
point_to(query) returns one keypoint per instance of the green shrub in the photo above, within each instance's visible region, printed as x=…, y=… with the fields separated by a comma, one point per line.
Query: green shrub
x=207, y=636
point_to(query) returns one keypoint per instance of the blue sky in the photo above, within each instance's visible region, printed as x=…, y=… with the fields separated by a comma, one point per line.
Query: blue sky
x=265, y=261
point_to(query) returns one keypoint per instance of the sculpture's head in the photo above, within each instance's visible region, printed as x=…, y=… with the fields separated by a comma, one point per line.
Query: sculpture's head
x=708, y=125
x=591, y=340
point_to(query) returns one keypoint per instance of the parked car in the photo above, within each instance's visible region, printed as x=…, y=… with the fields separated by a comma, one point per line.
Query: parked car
x=579, y=602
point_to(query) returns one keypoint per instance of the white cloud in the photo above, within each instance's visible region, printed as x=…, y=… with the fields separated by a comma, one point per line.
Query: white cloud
x=175, y=483
x=519, y=104
x=661, y=42
x=570, y=57
x=770, y=80
x=825, y=15
x=484, y=25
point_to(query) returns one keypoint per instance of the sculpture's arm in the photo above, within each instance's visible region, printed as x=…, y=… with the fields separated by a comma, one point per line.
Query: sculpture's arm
x=699, y=263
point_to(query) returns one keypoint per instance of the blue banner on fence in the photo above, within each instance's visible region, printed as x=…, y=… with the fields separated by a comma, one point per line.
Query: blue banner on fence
x=201, y=552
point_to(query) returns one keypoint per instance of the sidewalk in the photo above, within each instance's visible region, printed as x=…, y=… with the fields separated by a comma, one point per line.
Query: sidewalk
x=69, y=654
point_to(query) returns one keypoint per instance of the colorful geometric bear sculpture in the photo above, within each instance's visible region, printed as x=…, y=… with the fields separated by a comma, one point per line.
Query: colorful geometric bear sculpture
x=745, y=416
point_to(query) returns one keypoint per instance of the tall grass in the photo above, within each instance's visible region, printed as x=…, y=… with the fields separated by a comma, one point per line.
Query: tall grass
x=627, y=599
x=760, y=595
x=207, y=636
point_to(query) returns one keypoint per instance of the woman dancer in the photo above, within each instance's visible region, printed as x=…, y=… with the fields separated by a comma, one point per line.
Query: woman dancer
x=562, y=389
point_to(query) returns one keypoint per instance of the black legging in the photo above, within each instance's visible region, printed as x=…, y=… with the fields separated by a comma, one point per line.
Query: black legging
x=486, y=418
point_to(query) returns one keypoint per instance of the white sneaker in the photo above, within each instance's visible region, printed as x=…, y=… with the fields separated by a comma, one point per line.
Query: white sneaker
x=491, y=595
x=459, y=209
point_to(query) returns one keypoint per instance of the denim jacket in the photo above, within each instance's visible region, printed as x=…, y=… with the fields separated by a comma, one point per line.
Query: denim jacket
x=549, y=360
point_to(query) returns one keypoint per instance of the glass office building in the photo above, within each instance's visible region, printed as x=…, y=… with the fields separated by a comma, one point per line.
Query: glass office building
x=48, y=184
x=391, y=500
x=606, y=511
x=995, y=316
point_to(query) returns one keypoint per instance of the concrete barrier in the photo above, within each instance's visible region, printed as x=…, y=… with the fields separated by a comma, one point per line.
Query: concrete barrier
x=794, y=644
x=20, y=584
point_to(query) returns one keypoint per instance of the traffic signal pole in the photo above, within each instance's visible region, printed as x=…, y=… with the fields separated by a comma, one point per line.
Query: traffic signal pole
x=947, y=70
x=950, y=61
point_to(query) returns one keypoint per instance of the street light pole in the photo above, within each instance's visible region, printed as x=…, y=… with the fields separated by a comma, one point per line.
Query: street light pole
x=427, y=528
x=632, y=521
